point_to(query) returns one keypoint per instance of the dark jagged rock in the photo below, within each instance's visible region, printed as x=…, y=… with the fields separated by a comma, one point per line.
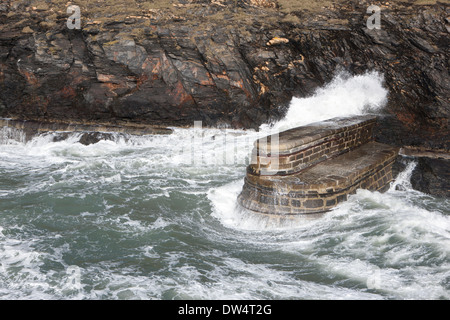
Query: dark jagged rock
x=89, y=138
x=432, y=176
x=225, y=62
x=86, y=138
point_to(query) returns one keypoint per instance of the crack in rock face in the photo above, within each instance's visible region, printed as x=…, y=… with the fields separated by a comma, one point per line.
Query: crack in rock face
x=234, y=63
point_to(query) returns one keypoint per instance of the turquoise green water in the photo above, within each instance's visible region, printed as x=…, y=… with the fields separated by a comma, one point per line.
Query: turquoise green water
x=155, y=217
x=124, y=220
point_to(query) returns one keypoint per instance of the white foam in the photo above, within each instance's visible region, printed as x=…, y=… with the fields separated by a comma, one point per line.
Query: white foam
x=345, y=95
x=403, y=180
x=236, y=279
x=202, y=148
x=10, y=135
x=376, y=244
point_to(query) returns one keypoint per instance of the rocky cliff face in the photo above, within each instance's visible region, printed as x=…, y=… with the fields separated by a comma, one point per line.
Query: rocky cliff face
x=235, y=63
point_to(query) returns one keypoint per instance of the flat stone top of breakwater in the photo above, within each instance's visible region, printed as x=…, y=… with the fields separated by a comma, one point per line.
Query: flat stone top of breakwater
x=302, y=136
x=339, y=171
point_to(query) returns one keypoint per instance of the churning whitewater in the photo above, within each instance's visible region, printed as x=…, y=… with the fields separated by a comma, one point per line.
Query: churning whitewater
x=156, y=217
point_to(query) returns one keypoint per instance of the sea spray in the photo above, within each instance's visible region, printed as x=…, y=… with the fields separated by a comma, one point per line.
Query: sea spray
x=345, y=95
x=138, y=221
x=9, y=135
x=403, y=180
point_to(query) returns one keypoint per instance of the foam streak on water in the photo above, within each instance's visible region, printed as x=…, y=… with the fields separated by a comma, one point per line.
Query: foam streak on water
x=148, y=218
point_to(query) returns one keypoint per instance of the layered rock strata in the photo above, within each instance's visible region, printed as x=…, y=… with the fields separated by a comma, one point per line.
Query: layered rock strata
x=233, y=63
x=316, y=167
x=225, y=62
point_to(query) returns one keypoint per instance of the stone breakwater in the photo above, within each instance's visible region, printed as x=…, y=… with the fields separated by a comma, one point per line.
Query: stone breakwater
x=227, y=63
x=304, y=146
x=311, y=169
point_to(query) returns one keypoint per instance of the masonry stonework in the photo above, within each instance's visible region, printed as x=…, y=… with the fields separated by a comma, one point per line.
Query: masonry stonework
x=313, y=168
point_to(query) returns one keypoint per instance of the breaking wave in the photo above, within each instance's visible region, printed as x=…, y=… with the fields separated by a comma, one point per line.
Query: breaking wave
x=150, y=218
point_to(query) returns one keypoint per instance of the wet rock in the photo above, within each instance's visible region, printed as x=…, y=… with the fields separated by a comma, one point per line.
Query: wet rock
x=150, y=69
x=89, y=138
x=86, y=138
x=233, y=63
x=126, y=52
x=432, y=176
x=398, y=166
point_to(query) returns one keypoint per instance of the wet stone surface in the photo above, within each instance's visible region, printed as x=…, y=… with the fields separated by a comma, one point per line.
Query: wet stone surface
x=319, y=186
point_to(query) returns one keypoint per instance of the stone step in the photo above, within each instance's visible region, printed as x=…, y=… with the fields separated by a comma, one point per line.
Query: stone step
x=321, y=187
x=293, y=150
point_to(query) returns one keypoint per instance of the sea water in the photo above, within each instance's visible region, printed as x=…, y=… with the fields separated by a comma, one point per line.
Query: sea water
x=156, y=217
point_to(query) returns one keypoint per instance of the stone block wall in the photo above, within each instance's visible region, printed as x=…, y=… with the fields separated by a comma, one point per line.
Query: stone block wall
x=317, y=171
x=293, y=199
x=302, y=147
